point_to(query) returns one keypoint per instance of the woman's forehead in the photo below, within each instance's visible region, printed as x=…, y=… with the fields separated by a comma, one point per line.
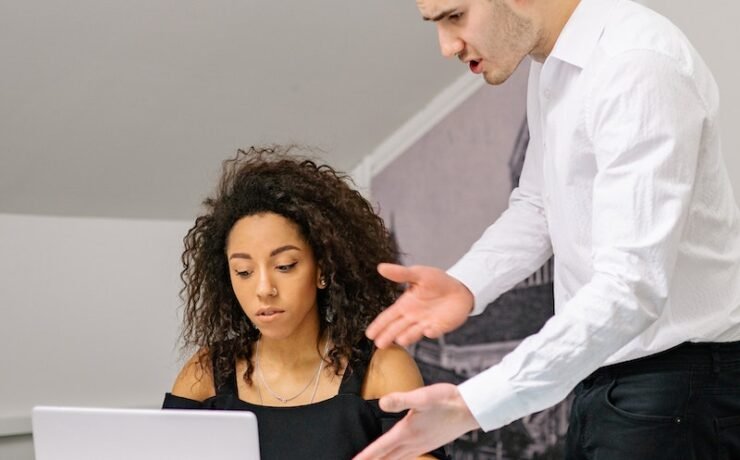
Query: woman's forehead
x=264, y=234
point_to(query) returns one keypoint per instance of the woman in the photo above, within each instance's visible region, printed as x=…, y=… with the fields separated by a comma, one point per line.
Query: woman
x=280, y=284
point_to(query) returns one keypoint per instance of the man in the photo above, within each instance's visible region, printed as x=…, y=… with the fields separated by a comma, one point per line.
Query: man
x=625, y=184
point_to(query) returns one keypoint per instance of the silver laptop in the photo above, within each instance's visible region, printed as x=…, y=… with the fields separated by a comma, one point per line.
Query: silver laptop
x=74, y=433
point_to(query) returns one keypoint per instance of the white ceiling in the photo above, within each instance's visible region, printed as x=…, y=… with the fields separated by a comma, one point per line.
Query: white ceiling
x=126, y=108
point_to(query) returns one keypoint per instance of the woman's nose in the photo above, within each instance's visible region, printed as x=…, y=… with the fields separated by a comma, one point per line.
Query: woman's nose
x=265, y=287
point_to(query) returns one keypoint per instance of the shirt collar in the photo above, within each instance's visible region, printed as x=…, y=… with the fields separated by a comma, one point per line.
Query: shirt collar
x=582, y=32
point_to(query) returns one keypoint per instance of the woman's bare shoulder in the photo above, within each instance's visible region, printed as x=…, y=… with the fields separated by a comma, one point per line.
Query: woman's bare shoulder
x=390, y=369
x=195, y=380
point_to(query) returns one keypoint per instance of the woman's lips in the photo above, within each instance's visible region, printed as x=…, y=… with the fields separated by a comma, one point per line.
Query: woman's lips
x=269, y=314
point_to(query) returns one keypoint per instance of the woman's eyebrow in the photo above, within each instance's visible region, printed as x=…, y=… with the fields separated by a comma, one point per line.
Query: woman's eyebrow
x=273, y=253
x=287, y=247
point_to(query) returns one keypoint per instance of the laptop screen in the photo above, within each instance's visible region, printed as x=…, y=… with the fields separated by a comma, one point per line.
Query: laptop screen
x=74, y=433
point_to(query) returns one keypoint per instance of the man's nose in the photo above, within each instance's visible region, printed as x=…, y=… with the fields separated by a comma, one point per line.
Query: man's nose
x=449, y=44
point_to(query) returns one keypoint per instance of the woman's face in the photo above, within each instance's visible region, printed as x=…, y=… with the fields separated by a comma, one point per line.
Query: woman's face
x=274, y=274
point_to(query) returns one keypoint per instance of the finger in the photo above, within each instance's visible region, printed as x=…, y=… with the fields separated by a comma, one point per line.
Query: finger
x=432, y=332
x=383, y=320
x=399, y=453
x=398, y=273
x=393, y=402
x=415, y=399
x=374, y=451
x=412, y=334
x=384, y=446
x=402, y=453
x=391, y=331
x=380, y=448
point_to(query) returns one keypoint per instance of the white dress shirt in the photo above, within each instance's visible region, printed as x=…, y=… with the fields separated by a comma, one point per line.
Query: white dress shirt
x=625, y=184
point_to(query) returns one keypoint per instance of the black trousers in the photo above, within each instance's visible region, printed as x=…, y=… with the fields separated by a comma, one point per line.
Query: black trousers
x=681, y=404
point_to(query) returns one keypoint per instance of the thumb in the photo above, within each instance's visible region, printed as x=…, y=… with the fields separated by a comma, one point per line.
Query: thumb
x=397, y=273
x=397, y=402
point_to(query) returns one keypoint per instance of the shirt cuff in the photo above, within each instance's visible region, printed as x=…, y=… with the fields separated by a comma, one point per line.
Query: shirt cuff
x=491, y=399
x=476, y=280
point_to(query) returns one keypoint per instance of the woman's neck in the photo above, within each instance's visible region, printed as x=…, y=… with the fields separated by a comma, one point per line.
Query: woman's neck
x=303, y=348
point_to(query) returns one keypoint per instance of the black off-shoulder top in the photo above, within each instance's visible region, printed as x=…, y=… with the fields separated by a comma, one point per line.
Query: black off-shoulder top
x=336, y=428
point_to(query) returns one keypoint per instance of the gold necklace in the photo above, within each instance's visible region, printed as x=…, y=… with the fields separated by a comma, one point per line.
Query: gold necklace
x=282, y=399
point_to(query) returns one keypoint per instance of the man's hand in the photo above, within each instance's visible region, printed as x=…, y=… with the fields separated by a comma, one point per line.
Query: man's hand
x=434, y=303
x=437, y=415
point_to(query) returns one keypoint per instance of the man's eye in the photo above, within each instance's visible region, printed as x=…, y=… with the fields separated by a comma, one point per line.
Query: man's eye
x=455, y=17
x=286, y=268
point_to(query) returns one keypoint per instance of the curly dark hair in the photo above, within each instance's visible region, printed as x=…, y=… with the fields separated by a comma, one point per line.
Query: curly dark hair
x=347, y=237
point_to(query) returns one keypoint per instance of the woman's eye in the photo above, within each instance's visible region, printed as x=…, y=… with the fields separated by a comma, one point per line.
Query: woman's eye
x=286, y=268
x=242, y=273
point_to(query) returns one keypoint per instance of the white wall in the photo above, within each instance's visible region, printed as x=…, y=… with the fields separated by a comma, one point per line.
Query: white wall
x=88, y=315
x=714, y=29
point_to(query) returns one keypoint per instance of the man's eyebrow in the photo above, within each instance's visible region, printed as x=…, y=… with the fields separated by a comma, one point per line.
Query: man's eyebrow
x=273, y=253
x=440, y=16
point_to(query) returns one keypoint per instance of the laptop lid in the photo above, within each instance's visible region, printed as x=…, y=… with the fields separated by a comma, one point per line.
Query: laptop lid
x=74, y=433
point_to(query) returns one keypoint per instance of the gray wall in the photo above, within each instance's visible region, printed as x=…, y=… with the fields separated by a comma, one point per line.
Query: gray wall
x=16, y=447
x=431, y=194
x=89, y=316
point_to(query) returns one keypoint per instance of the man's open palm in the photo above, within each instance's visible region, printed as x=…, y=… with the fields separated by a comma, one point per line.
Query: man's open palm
x=434, y=303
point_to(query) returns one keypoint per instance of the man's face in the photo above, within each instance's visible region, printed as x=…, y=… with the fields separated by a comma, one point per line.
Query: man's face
x=491, y=36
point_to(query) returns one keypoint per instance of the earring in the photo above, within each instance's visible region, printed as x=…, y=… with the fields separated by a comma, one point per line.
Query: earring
x=329, y=314
x=322, y=282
